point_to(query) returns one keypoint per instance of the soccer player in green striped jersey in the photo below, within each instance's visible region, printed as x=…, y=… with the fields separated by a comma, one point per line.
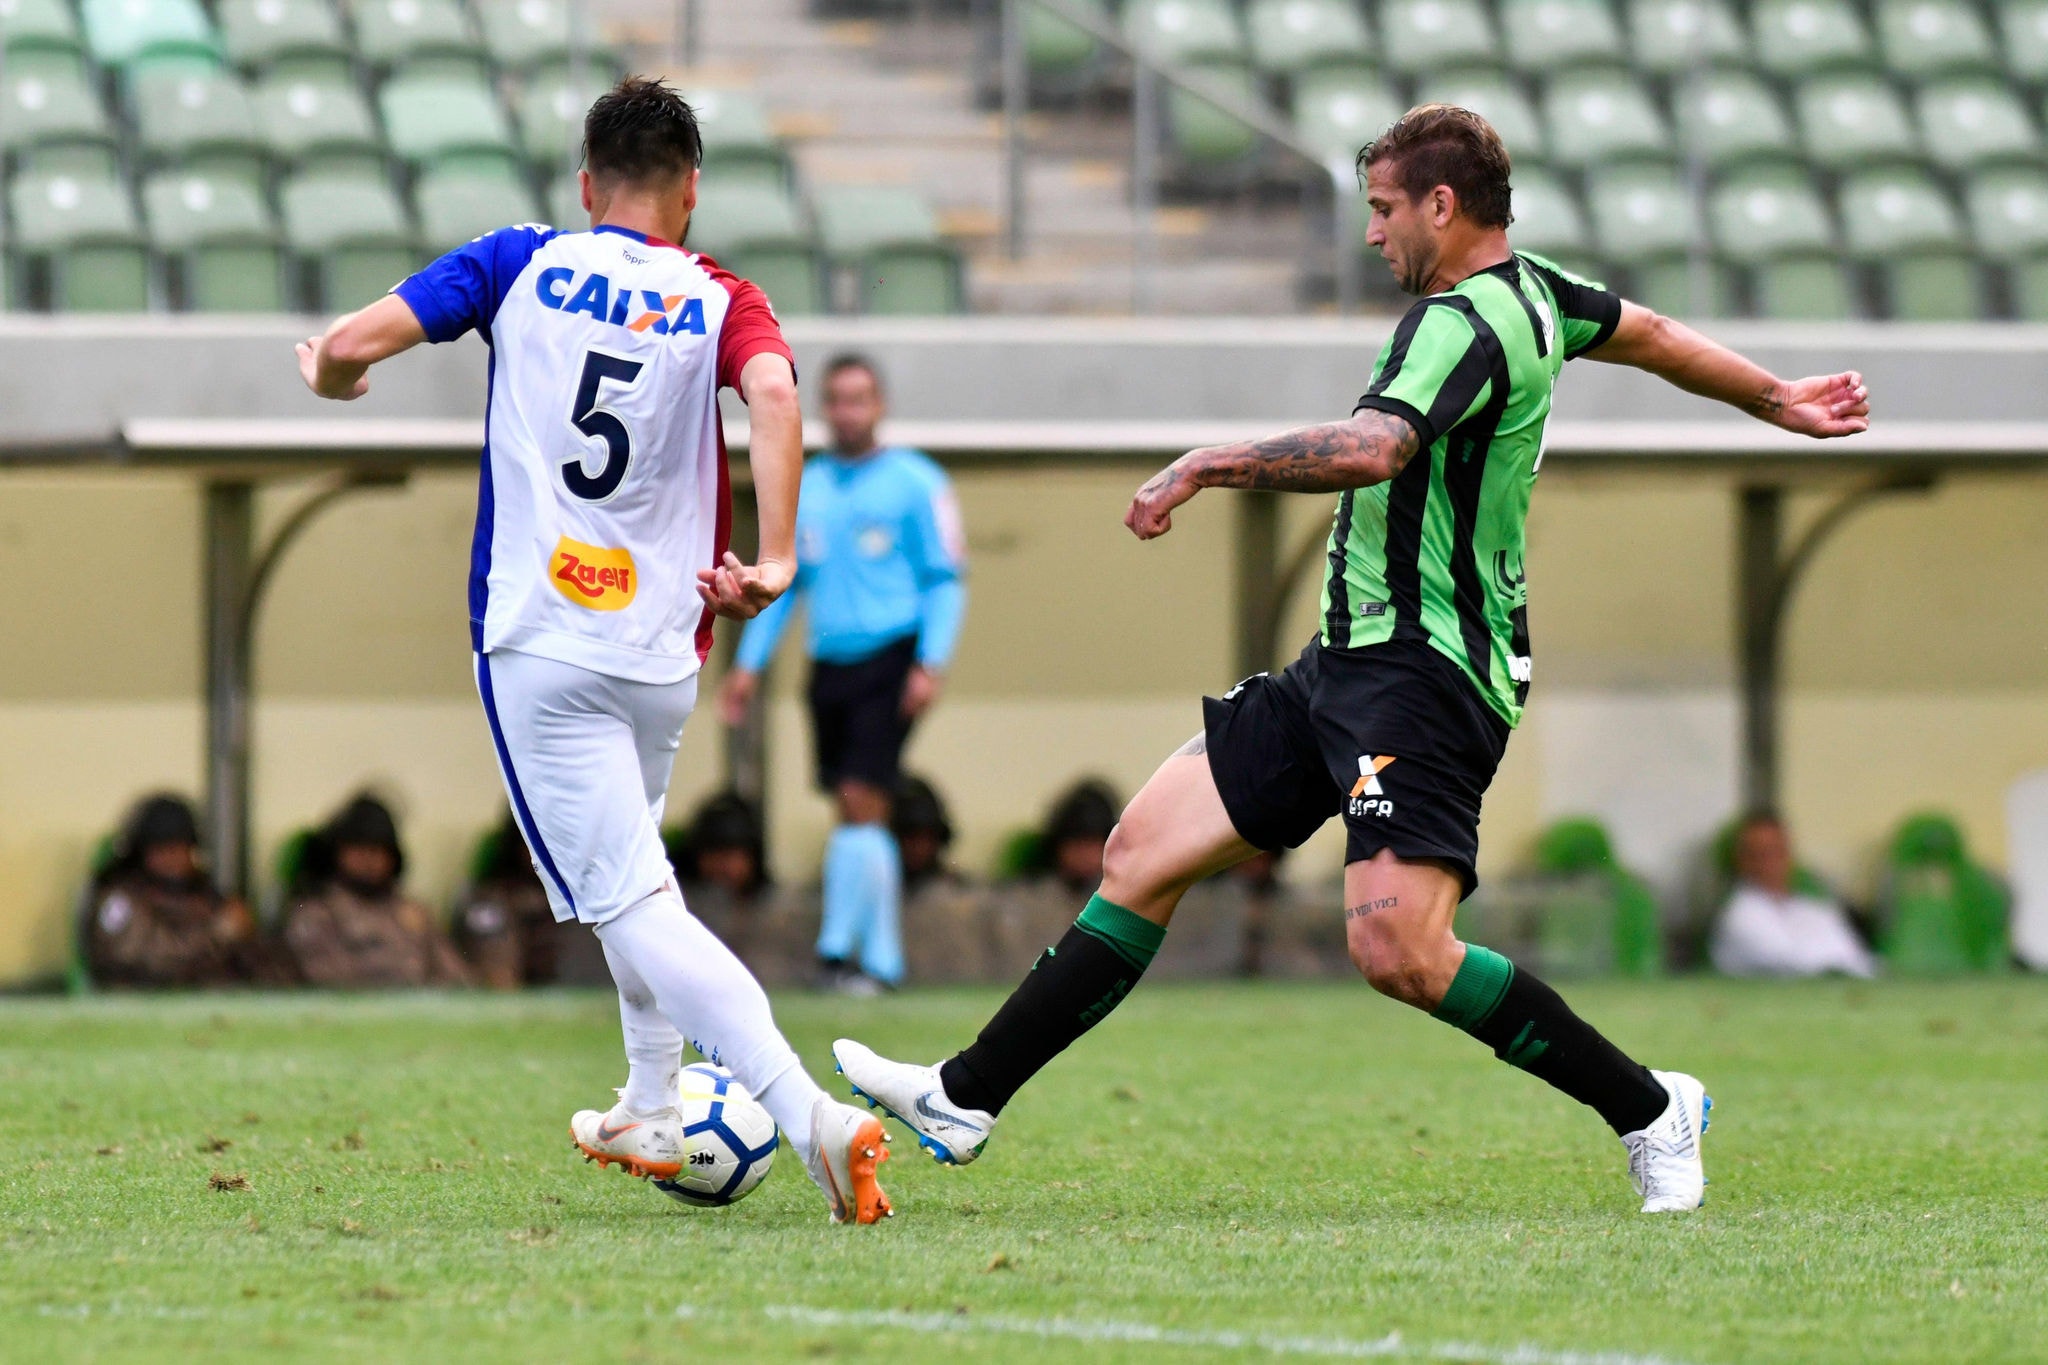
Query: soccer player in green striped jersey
x=1396, y=716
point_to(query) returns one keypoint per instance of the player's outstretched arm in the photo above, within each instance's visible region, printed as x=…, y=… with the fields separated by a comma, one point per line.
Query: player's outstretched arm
x=337, y=364
x=1367, y=448
x=775, y=450
x=1822, y=405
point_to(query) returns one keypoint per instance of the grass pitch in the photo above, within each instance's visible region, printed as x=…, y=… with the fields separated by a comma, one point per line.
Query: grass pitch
x=1219, y=1173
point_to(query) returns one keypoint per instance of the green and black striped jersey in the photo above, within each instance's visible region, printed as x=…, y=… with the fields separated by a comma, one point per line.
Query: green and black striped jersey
x=1436, y=553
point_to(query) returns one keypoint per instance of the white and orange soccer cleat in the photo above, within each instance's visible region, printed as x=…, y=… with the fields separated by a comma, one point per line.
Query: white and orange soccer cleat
x=646, y=1145
x=846, y=1146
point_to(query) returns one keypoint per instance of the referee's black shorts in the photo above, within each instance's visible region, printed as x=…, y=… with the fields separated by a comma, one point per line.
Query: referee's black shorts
x=857, y=716
x=1394, y=737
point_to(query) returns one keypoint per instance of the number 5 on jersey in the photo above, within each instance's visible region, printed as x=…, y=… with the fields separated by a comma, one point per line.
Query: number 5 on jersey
x=601, y=424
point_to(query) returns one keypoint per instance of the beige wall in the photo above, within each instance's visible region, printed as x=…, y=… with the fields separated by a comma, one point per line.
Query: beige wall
x=1918, y=670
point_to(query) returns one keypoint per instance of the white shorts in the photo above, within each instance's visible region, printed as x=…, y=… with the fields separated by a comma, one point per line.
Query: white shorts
x=586, y=760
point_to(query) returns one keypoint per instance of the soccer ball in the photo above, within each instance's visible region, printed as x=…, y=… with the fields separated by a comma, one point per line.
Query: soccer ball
x=728, y=1140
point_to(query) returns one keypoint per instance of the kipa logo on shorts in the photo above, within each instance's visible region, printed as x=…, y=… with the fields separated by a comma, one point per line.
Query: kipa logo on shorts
x=1369, y=770
x=592, y=576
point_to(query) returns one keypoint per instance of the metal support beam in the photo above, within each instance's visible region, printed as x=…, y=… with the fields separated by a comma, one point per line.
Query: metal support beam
x=1014, y=93
x=1258, y=599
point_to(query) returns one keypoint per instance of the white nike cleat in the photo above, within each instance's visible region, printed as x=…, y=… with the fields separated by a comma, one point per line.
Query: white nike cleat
x=1664, y=1159
x=846, y=1146
x=915, y=1098
x=647, y=1145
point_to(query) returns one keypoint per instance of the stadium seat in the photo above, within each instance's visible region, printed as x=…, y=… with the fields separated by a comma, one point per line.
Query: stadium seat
x=1644, y=219
x=219, y=233
x=1942, y=914
x=122, y=32
x=258, y=34
x=1548, y=220
x=84, y=226
x=521, y=35
x=1773, y=223
x=550, y=116
x=353, y=231
x=1289, y=37
x=1499, y=100
x=1059, y=55
x=1675, y=37
x=1338, y=110
x=431, y=115
x=38, y=26
x=194, y=119
x=309, y=121
x=1848, y=120
x=890, y=240
x=2008, y=211
x=1185, y=31
x=756, y=232
x=54, y=121
x=1598, y=916
x=1602, y=117
x=461, y=202
x=1420, y=36
x=2023, y=29
x=1922, y=38
x=1541, y=36
x=1798, y=37
x=1904, y=223
x=392, y=33
x=739, y=143
x=1969, y=123
x=1729, y=118
x=1209, y=145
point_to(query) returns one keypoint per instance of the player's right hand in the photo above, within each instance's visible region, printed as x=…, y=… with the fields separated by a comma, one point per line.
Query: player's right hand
x=1151, y=511
x=309, y=370
x=743, y=591
x=736, y=695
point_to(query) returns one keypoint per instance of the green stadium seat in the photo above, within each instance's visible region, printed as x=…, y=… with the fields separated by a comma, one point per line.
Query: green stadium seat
x=1970, y=122
x=432, y=115
x=756, y=232
x=2023, y=29
x=1904, y=223
x=38, y=26
x=550, y=117
x=196, y=119
x=1594, y=915
x=1942, y=914
x=54, y=62
x=1289, y=37
x=353, y=231
x=258, y=34
x=1208, y=144
x=1419, y=36
x=521, y=35
x=1338, y=110
x=1541, y=36
x=1730, y=118
x=123, y=32
x=308, y=120
x=889, y=238
x=1922, y=38
x=1058, y=54
x=1644, y=218
x=219, y=233
x=1798, y=37
x=1848, y=120
x=56, y=117
x=1603, y=117
x=1548, y=220
x=1499, y=100
x=1675, y=37
x=391, y=33
x=1185, y=31
x=2008, y=211
x=461, y=202
x=85, y=227
x=739, y=143
x=1772, y=222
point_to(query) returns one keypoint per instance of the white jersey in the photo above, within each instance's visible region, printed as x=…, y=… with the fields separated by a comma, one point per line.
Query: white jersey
x=604, y=484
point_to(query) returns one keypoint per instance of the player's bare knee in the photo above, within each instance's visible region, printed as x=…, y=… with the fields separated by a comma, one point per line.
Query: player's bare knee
x=1393, y=957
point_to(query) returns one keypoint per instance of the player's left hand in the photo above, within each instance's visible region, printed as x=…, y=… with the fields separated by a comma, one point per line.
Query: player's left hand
x=1824, y=405
x=1151, y=511
x=920, y=690
x=743, y=591
x=309, y=370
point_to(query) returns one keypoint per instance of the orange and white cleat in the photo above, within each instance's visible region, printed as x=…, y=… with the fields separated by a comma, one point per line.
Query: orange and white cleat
x=846, y=1146
x=646, y=1145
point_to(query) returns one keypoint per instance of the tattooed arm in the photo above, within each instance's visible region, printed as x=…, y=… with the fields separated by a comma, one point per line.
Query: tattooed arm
x=1824, y=405
x=1368, y=448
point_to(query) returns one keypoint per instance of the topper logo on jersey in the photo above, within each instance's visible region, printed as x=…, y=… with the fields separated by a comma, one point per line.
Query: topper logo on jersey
x=592, y=576
x=636, y=310
x=1368, y=785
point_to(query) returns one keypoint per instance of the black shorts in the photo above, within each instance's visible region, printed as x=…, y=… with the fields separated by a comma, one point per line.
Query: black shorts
x=857, y=716
x=1394, y=737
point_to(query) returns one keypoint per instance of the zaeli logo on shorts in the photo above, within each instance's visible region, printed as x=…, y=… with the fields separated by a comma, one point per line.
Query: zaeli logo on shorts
x=636, y=310
x=592, y=576
x=1368, y=797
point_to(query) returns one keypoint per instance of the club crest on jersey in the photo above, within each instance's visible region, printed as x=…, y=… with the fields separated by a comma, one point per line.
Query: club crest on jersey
x=592, y=576
x=636, y=310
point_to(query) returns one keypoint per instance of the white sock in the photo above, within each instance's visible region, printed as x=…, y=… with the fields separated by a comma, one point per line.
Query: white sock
x=710, y=998
x=654, y=1050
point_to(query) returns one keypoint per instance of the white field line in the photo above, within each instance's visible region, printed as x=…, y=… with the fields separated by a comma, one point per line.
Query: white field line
x=1390, y=1347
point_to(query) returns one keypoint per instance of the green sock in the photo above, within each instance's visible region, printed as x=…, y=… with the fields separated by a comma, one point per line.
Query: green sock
x=1476, y=991
x=1131, y=936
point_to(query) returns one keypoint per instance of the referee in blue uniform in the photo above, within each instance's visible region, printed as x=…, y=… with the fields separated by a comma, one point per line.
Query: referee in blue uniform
x=880, y=571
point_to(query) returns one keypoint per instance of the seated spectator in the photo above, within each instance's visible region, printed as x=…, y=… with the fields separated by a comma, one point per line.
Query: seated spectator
x=1077, y=832
x=949, y=927
x=505, y=928
x=721, y=860
x=352, y=926
x=923, y=833
x=1049, y=871
x=724, y=847
x=156, y=918
x=1769, y=928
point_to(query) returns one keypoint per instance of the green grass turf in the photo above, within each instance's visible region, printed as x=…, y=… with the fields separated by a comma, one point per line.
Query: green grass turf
x=1275, y=1161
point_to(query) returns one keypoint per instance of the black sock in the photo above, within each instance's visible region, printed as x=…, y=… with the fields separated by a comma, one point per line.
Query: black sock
x=1532, y=1028
x=1072, y=988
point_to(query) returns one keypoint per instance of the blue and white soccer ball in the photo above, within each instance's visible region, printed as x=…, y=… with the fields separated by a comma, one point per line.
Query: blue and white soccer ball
x=728, y=1140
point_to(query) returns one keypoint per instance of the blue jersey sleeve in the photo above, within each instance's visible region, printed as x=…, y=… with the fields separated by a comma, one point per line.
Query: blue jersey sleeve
x=938, y=556
x=764, y=632
x=463, y=289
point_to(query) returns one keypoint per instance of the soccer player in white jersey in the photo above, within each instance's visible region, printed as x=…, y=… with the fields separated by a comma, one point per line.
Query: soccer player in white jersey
x=599, y=561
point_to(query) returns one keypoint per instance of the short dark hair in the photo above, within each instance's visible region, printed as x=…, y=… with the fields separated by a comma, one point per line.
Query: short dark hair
x=852, y=360
x=1442, y=144
x=641, y=130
